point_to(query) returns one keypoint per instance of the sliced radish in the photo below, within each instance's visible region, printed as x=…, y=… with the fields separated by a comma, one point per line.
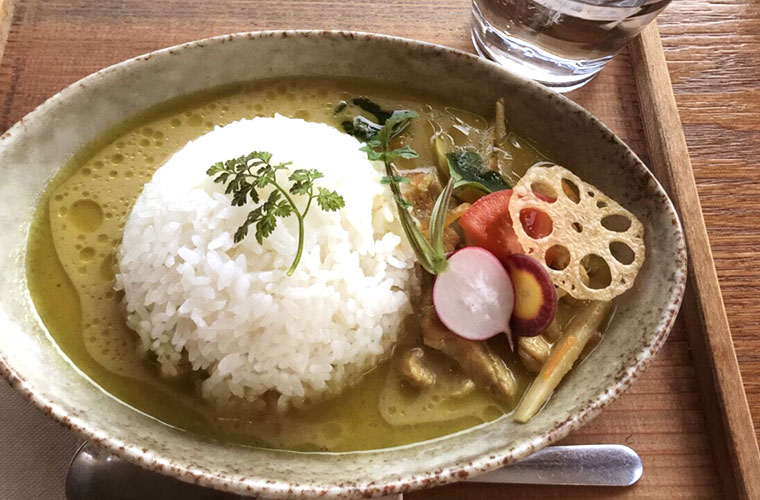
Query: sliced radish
x=474, y=297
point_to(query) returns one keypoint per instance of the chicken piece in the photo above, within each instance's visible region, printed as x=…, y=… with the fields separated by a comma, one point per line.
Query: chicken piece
x=422, y=191
x=414, y=370
x=552, y=332
x=475, y=359
x=465, y=388
x=533, y=352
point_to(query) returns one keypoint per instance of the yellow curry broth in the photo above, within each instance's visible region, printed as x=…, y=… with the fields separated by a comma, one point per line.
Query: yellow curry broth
x=78, y=228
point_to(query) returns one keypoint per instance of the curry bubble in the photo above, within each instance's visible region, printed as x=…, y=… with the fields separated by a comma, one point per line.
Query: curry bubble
x=147, y=131
x=86, y=254
x=86, y=215
x=117, y=158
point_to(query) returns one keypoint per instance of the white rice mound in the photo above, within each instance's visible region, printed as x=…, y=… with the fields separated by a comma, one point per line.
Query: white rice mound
x=230, y=309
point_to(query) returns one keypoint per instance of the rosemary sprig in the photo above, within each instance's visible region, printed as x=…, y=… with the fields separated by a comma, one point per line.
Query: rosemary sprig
x=430, y=252
x=465, y=171
x=248, y=174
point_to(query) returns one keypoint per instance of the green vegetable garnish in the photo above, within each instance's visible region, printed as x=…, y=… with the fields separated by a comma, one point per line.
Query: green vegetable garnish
x=360, y=127
x=429, y=253
x=386, y=179
x=250, y=173
x=370, y=107
x=467, y=170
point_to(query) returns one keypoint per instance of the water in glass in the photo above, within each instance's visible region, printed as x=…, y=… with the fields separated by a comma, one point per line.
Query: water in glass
x=560, y=43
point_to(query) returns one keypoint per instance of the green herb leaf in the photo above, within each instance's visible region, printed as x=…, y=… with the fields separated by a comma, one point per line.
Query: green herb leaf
x=250, y=173
x=402, y=152
x=438, y=216
x=373, y=155
x=215, y=168
x=329, y=200
x=388, y=179
x=394, y=126
x=467, y=170
x=377, y=147
x=265, y=226
x=401, y=202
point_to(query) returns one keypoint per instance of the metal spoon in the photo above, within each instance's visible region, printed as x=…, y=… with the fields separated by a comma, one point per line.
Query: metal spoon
x=95, y=474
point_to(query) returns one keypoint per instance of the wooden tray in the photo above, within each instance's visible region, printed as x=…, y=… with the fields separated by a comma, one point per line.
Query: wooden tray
x=687, y=416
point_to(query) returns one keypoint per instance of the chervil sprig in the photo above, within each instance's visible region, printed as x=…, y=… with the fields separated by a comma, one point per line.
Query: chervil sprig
x=248, y=174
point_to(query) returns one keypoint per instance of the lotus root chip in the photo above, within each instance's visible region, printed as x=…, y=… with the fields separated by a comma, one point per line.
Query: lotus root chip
x=585, y=223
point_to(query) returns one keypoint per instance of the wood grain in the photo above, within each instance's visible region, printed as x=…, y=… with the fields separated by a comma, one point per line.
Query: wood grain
x=707, y=326
x=713, y=53
x=6, y=15
x=52, y=43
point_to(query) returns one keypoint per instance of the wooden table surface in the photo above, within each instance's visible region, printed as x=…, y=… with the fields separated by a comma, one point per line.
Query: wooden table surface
x=713, y=53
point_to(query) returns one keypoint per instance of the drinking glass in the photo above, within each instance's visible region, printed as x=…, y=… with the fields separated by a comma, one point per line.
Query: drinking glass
x=560, y=43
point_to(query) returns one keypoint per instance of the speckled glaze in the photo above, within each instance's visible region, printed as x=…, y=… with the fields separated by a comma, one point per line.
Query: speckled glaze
x=43, y=140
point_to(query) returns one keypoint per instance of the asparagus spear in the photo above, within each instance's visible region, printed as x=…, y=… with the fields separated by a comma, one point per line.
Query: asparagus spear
x=564, y=354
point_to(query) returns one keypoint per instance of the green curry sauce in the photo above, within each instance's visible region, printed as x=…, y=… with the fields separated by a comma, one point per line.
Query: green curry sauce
x=76, y=234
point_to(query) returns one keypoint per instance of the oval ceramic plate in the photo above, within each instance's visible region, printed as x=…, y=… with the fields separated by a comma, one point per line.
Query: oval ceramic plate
x=36, y=147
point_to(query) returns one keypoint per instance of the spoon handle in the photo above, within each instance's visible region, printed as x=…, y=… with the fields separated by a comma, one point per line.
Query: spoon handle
x=95, y=474
x=578, y=465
